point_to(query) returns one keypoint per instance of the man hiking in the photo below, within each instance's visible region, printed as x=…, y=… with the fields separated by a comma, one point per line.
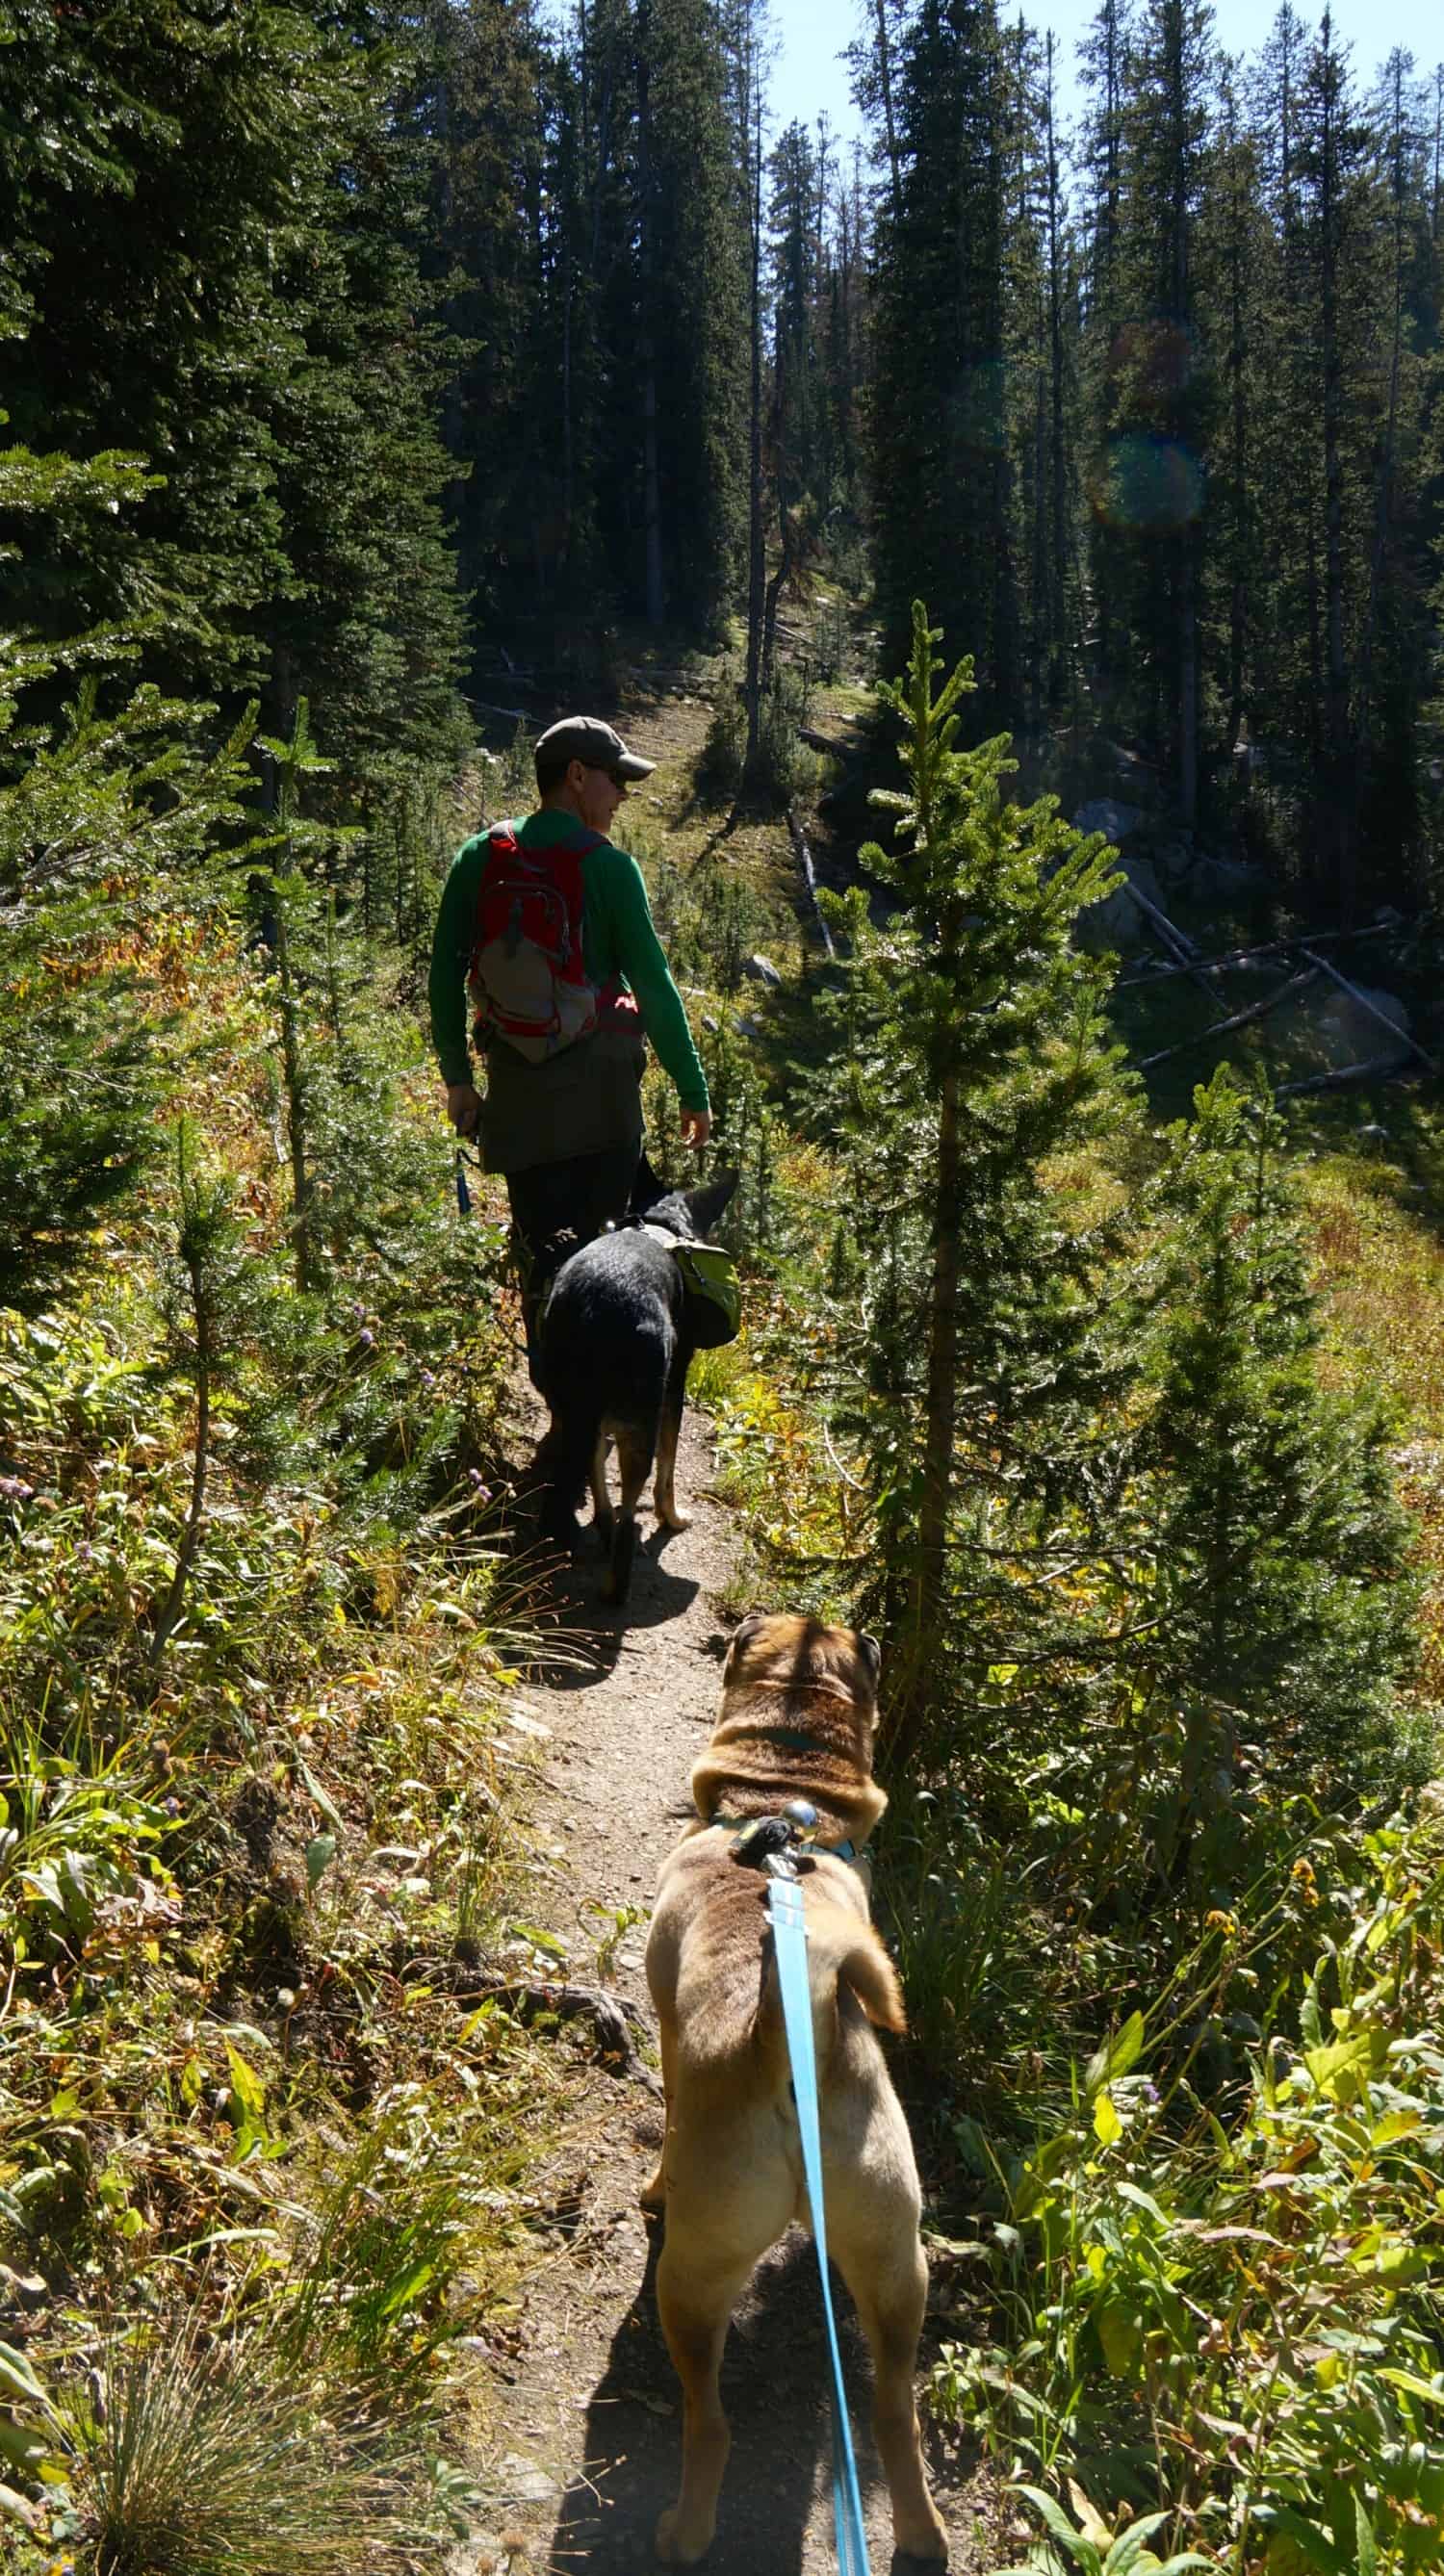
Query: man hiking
x=545, y=926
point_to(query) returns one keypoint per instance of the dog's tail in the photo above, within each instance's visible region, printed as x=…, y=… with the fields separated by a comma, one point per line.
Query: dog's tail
x=842, y=1952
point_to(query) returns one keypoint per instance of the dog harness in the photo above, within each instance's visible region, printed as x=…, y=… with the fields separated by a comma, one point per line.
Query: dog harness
x=780, y=1844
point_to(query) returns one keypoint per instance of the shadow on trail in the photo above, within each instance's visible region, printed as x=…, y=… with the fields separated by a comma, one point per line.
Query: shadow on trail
x=775, y=2395
x=775, y=2387
x=588, y=1636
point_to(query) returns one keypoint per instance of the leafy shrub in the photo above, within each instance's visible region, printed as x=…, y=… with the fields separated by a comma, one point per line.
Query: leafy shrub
x=1226, y=2307
x=79, y=1864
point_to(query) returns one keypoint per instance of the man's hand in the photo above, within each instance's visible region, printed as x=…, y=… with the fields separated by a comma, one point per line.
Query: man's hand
x=463, y=1107
x=696, y=1128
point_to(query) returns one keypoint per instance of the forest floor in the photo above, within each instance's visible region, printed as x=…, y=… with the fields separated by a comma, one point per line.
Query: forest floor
x=580, y=2449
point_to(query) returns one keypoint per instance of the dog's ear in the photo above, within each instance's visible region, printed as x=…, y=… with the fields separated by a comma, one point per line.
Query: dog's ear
x=745, y=1629
x=706, y=1204
x=871, y=1654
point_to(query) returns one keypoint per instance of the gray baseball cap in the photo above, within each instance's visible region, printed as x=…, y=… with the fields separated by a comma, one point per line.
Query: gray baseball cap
x=599, y=745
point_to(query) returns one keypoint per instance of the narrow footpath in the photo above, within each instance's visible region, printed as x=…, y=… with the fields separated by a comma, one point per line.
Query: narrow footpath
x=583, y=2449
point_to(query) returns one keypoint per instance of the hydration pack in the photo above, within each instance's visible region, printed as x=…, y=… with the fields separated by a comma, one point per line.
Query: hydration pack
x=528, y=979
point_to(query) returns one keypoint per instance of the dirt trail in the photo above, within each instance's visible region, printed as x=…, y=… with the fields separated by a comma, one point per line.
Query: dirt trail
x=582, y=2452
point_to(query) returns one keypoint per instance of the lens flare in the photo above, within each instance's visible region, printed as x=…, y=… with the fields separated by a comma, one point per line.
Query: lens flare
x=1153, y=486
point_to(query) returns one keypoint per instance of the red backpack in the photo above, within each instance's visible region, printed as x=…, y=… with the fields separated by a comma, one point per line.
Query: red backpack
x=528, y=979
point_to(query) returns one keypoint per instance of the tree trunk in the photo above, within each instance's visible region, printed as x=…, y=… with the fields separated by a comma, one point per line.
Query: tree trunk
x=1057, y=613
x=651, y=474
x=1384, y=502
x=775, y=589
x=295, y=1080
x=756, y=537
x=884, y=73
x=1337, y=803
x=202, y=1311
x=927, y=1585
x=1187, y=685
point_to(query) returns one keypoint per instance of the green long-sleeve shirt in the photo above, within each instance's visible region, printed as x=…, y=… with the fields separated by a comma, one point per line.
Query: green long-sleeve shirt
x=585, y=1099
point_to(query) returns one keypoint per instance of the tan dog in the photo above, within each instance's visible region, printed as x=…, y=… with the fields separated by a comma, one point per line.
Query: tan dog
x=799, y=1711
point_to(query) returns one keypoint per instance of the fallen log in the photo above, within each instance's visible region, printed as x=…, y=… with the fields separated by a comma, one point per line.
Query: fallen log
x=1175, y=940
x=1376, y=1069
x=1240, y=1019
x=809, y=876
x=1236, y=957
x=816, y=741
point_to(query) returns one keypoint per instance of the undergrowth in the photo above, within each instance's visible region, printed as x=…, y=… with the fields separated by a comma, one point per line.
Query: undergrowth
x=263, y=2170
x=1169, y=1933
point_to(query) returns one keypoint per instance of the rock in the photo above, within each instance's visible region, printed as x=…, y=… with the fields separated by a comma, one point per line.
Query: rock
x=1218, y=880
x=1359, y=1029
x=1118, y=922
x=709, y=1024
x=1330, y=1024
x=1105, y=814
x=1174, y=862
x=761, y=970
x=750, y=1029
x=525, y=2481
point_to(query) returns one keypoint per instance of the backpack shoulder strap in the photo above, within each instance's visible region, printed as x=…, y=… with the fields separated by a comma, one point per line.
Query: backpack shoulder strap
x=578, y=842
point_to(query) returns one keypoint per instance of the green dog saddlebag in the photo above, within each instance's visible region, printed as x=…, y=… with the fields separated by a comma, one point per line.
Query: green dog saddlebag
x=714, y=1296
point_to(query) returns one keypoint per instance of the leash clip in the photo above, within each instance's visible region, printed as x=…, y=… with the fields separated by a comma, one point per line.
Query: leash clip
x=776, y=1844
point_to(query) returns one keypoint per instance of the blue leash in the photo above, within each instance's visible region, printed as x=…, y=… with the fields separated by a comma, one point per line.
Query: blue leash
x=789, y=1933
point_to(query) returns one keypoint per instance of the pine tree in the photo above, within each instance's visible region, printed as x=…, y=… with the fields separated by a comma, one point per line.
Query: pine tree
x=1232, y=261
x=99, y=815
x=692, y=309
x=1103, y=59
x=973, y=1049
x=218, y=273
x=940, y=451
x=1163, y=389
x=1394, y=651
x=1332, y=174
x=144, y=247
x=1277, y=1546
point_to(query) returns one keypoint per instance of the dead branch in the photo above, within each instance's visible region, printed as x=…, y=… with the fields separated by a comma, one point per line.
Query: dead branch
x=609, y=2015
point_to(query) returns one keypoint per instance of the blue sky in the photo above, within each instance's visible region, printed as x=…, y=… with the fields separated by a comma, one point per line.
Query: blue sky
x=807, y=77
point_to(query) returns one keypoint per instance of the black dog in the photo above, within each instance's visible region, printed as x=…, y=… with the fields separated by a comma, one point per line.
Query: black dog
x=615, y=1351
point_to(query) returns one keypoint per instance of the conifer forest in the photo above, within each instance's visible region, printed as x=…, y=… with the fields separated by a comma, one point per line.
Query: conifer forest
x=1016, y=533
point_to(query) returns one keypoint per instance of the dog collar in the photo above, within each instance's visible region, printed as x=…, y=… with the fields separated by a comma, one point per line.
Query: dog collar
x=801, y=1689
x=792, y=1739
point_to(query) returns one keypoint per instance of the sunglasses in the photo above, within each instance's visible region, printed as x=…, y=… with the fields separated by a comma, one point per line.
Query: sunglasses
x=615, y=775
